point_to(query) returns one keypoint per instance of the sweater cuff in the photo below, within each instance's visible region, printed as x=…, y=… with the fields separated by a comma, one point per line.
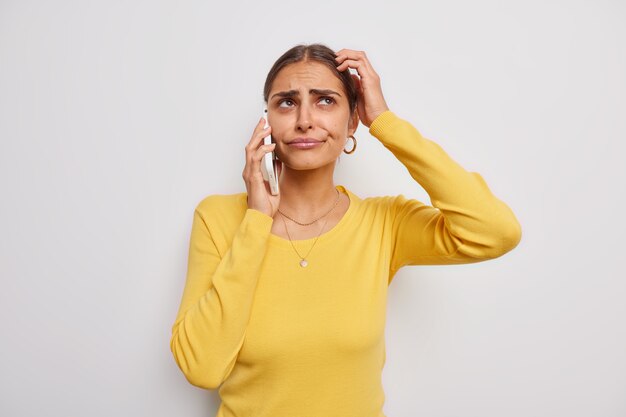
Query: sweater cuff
x=381, y=122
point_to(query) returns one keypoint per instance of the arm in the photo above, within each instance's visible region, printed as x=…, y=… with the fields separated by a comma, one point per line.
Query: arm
x=216, y=304
x=467, y=223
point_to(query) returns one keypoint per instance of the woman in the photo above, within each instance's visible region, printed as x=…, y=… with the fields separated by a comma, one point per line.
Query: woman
x=284, y=304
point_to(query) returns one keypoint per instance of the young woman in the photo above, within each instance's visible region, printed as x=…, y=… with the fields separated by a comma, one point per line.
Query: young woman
x=284, y=304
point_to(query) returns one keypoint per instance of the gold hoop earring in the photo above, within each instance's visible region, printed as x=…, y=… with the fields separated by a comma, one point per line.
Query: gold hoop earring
x=353, y=148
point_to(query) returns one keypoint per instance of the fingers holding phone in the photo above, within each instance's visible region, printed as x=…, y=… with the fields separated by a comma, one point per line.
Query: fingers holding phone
x=268, y=166
x=260, y=196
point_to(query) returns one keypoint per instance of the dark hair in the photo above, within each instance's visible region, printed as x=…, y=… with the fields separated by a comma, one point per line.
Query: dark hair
x=313, y=52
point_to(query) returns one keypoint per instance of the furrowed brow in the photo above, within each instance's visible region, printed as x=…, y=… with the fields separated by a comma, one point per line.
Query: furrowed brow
x=323, y=92
x=316, y=91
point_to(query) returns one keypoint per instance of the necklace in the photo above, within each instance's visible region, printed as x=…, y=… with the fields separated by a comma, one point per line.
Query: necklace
x=303, y=261
x=308, y=224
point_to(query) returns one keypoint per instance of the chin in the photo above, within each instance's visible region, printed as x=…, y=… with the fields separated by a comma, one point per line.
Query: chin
x=306, y=164
x=307, y=159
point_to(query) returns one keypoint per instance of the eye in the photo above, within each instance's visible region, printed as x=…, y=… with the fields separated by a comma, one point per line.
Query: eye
x=284, y=101
x=330, y=99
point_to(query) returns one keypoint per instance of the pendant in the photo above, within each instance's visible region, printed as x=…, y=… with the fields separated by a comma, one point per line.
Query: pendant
x=303, y=263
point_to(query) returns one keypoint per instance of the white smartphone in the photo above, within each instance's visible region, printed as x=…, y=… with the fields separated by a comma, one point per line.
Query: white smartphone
x=267, y=165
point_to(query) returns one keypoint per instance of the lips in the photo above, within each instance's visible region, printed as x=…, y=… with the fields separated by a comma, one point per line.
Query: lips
x=304, y=140
x=304, y=143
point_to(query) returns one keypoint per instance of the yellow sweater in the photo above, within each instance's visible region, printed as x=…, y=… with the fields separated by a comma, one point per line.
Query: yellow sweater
x=280, y=340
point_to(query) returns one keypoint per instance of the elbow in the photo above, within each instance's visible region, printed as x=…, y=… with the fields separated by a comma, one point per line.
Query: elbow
x=504, y=238
x=511, y=236
x=195, y=372
x=201, y=381
x=515, y=235
x=490, y=243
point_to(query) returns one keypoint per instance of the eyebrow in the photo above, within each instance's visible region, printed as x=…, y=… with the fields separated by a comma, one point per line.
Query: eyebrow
x=293, y=93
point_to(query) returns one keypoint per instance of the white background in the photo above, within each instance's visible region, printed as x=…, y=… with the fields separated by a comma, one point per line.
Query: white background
x=118, y=117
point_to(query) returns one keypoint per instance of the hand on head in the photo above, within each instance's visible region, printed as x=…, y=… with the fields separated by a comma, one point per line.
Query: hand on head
x=370, y=103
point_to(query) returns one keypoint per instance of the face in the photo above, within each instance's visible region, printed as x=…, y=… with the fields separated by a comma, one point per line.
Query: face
x=308, y=101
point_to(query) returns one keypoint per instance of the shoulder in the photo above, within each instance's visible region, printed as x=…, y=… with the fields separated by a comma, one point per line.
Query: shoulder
x=220, y=205
x=375, y=206
x=377, y=201
x=392, y=206
x=373, y=203
x=384, y=201
x=381, y=203
x=222, y=214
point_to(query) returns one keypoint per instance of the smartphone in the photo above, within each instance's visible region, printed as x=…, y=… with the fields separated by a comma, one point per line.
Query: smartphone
x=267, y=165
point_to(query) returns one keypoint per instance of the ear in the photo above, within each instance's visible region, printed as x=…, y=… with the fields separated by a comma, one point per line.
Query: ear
x=353, y=123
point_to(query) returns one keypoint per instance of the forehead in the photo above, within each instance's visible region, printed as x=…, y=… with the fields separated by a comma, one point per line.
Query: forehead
x=306, y=75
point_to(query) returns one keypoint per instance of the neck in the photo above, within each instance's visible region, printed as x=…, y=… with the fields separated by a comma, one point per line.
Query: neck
x=306, y=194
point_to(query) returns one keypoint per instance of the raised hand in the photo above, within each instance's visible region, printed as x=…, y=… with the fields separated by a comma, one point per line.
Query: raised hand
x=370, y=102
x=259, y=195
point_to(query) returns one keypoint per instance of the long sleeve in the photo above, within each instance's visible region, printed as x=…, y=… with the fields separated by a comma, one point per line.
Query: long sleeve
x=217, y=299
x=466, y=223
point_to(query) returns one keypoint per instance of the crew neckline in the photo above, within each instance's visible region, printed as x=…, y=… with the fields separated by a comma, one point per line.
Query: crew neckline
x=324, y=236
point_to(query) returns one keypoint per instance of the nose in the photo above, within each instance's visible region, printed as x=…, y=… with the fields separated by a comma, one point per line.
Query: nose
x=304, y=118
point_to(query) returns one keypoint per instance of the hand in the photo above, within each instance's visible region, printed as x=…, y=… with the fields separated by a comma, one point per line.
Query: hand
x=259, y=195
x=370, y=102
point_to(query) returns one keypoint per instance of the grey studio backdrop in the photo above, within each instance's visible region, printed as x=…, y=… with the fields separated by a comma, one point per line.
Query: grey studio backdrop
x=117, y=118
